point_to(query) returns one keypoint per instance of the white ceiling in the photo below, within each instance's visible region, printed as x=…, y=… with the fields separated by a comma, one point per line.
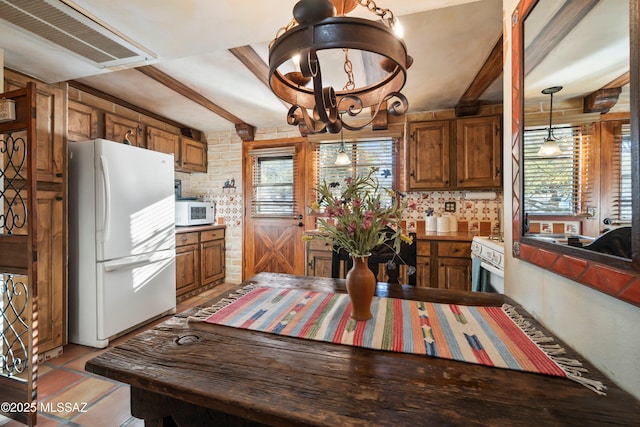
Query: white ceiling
x=448, y=39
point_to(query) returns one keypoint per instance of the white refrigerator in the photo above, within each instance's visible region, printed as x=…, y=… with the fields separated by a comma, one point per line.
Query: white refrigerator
x=121, y=239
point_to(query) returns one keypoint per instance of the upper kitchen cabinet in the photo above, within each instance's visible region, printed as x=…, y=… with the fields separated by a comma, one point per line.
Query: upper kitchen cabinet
x=165, y=142
x=82, y=122
x=455, y=154
x=118, y=129
x=478, y=158
x=50, y=132
x=429, y=153
x=193, y=155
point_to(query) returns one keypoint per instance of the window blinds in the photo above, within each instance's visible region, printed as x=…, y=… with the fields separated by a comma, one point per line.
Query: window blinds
x=559, y=185
x=621, y=168
x=364, y=154
x=273, y=182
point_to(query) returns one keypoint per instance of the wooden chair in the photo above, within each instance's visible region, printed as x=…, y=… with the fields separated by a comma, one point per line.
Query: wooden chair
x=382, y=259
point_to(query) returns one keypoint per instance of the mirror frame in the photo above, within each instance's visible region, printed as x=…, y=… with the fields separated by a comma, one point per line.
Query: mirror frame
x=611, y=275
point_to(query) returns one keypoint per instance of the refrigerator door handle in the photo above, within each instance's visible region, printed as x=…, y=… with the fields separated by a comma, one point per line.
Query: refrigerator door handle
x=107, y=198
x=127, y=265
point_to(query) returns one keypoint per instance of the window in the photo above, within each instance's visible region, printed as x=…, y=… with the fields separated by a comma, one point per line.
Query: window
x=273, y=182
x=364, y=154
x=560, y=185
x=621, y=191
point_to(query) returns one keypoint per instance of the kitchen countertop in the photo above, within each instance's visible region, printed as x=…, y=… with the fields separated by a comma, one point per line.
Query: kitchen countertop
x=452, y=235
x=429, y=235
x=194, y=228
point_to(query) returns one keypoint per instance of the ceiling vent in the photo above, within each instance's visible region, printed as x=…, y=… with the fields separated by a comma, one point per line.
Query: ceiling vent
x=58, y=23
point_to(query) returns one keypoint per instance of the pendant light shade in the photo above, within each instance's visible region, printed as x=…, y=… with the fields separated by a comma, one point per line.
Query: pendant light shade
x=550, y=147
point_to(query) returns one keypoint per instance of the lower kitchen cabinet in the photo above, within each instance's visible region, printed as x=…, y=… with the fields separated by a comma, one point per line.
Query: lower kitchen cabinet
x=200, y=259
x=318, y=255
x=444, y=264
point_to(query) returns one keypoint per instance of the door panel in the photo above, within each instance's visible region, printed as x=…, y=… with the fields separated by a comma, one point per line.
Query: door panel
x=18, y=260
x=273, y=243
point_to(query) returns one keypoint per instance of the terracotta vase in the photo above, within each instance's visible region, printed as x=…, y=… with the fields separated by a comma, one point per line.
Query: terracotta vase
x=361, y=286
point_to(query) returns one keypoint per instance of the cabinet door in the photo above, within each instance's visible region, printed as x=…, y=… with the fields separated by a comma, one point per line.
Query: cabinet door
x=193, y=155
x=319, y=257
x=50, y=132
x=454, y=273
x=165, y=142
x=429, y=155
x=187, y=269
x=51, y=271
x=212, y=261
x=423, y=272
x=82, y=122
x=116, y=128
x=51, y=268
x=478, y=152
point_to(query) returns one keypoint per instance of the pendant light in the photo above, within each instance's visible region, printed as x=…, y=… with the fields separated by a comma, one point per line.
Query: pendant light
x=550, y=147
x=342, y=159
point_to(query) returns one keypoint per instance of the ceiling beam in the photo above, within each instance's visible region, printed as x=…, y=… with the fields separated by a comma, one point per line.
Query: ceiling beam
x=603, y=99
x=469, y=103
x=254, y=63
x=186, y=130
x=556, y=29
x=243, y=129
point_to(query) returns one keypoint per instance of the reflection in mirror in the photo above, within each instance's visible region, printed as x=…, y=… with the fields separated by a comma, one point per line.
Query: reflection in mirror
x=576, y=59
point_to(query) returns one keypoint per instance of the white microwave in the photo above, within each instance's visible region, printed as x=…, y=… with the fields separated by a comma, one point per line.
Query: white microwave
x=192, y=212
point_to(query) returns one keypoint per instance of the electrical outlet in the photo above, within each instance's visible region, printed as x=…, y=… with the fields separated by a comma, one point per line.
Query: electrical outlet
x=449, y=206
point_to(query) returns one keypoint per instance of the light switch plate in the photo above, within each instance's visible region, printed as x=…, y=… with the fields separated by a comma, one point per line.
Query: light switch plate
x=449, y=206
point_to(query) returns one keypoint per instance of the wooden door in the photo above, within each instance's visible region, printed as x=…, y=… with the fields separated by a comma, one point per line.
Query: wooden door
x=478, y=157
x=274, y=219
x=429, y=155
x=18, y=259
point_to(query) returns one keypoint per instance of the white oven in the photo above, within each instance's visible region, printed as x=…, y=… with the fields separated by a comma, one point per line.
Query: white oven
x=487, y=255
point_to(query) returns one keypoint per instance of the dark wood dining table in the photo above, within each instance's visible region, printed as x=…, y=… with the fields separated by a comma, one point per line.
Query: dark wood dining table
x=185, y=373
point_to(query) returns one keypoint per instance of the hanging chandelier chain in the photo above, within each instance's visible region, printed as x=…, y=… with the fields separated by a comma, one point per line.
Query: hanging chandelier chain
x=371, y=5
x=348, y=69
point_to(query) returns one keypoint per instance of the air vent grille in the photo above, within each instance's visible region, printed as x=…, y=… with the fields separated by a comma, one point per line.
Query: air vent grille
x=59, y=24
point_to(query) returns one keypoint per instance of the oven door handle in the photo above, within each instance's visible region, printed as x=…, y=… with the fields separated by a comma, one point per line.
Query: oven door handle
x=492, y=269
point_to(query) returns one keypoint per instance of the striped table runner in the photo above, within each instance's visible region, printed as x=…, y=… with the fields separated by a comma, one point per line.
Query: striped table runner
x=491, y=336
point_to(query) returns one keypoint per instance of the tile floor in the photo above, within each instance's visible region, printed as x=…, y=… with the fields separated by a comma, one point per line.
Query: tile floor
x=64, y=387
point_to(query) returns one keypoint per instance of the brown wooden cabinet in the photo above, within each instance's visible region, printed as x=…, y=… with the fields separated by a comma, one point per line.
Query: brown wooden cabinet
x=116, y=128
x=429, y=153
x=165, y=142
x=478, y=152
x=455, y=154
x=193, y=155
x=51, y=198
x=318, y=257
x=200, y=259
x=187, y=262
x=444, y=264
x=212, y=259
x=82, y=122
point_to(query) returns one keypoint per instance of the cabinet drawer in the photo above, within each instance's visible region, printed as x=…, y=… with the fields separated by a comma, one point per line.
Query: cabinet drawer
x=423, y=248
x=183, y=239
x=208, y=235
x=319, y=245
x=454, y=249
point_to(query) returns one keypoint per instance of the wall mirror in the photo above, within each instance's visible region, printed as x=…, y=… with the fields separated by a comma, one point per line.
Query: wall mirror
x=575, y=86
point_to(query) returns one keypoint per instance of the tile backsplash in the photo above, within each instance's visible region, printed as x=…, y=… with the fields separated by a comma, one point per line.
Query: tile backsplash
x=479, y=216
